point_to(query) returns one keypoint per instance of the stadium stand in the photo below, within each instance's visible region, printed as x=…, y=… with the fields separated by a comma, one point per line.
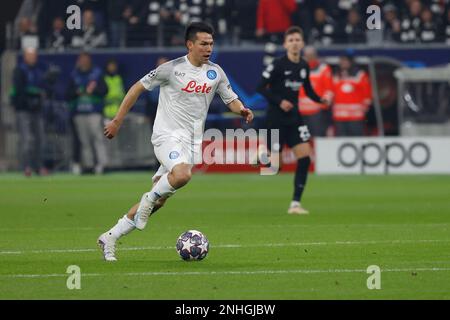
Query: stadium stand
x=413, y=34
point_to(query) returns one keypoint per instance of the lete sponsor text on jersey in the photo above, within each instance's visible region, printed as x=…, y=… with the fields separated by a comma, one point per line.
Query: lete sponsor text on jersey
x=192, y=87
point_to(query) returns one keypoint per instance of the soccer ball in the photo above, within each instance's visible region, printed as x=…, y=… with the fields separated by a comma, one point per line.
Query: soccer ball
x=192, y=245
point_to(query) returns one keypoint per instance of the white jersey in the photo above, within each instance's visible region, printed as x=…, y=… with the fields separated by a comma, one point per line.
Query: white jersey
x=186, y=92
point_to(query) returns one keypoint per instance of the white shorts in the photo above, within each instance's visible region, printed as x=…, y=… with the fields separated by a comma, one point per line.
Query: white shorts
x=173, y=151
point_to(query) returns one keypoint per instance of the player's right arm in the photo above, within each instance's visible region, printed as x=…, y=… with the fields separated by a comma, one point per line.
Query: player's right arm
x=132, y=95
x=158, y=77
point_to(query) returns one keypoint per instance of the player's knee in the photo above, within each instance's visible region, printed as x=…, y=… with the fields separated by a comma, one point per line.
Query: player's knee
x=181, y=177
x=303, y=151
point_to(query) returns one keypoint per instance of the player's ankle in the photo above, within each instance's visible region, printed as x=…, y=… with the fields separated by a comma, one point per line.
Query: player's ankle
x=295, y=203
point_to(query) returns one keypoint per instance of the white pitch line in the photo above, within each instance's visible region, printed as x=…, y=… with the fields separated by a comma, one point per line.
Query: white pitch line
x=220, y=273
x=263, y=245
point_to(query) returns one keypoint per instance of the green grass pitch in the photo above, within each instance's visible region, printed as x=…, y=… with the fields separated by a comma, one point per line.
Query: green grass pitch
x=257, y=250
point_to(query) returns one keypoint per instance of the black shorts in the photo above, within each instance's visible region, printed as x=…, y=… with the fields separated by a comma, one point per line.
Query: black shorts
x=290, y=134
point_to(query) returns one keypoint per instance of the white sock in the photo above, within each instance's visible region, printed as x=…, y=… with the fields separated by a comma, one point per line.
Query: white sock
x=161, y=189
x=295, y=204
x=123, y=227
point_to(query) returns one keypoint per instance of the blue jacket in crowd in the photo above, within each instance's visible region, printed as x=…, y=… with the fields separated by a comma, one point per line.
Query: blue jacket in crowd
x=82, y=102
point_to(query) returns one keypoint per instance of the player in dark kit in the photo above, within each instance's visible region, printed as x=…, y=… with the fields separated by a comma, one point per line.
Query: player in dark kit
x=280, y=83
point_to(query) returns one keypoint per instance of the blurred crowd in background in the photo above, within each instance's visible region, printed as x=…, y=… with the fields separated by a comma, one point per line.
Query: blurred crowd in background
x=138, y=23
x=92, y=93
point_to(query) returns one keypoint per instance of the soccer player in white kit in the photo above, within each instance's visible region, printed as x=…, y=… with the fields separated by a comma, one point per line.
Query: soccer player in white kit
x=187, y=87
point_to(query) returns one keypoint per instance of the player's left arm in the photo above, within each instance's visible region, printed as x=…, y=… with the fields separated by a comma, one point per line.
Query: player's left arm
x=230, y=98
x=311, y=93
x=236, y=106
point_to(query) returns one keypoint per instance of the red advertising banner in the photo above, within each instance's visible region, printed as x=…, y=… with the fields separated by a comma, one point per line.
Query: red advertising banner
x=231, y=152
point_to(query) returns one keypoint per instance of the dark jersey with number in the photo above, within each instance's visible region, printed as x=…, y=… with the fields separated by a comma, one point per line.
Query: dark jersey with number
x=282, y=80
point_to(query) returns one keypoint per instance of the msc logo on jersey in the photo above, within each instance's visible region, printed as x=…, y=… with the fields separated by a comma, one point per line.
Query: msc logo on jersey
x=211, y=74
x=174, y=154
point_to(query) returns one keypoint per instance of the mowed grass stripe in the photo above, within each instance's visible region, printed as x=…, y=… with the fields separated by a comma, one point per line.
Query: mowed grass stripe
x=262, y=245
x=219, y=273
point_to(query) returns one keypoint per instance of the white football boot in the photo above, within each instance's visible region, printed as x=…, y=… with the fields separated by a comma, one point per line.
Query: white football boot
x=108, y=246
x=144, y=211
x=296, y=208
